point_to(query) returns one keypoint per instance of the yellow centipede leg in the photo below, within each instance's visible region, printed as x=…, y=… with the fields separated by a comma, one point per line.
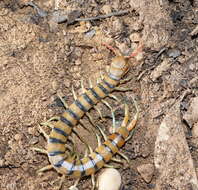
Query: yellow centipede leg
x=46, y=168
x=73, y=187
x=44, y=133
x=63, y=101
x=124, y=156
x=93, y=181
x=123, y=89
x=43, y=151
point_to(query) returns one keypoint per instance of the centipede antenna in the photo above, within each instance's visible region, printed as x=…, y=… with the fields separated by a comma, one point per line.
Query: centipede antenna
x=135, y=53
x=74, y=93
x=115, y=51
x=63, y=101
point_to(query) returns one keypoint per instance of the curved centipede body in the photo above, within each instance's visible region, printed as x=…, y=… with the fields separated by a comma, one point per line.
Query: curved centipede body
x=62, y=128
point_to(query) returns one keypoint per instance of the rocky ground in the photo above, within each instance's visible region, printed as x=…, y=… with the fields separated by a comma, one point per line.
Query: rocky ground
x=46, y=47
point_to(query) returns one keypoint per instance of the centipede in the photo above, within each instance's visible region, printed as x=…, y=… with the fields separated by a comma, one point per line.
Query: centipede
x=62, y=128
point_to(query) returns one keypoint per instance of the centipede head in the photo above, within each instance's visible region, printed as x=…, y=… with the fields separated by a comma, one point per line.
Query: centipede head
x=120, y=64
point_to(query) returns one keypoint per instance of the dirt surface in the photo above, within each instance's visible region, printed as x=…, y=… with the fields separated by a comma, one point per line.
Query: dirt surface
x=41, y=59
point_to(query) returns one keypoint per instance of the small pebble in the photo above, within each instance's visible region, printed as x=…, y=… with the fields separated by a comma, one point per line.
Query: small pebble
x=34, y=140
x=67, y=83
x=135, y=37
x=18, y=137
x=31, y=130
x=90, y=33
x=173, y=53
x=78, y=62
x=54, y=85
x=106, y=9
x=146, y=171
x=110, y=179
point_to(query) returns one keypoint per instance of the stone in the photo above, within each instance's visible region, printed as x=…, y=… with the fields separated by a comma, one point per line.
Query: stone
x=172, y=158
x=146, y=171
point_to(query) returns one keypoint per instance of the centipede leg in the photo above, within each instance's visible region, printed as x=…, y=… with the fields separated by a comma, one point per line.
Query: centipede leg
x=123, y=156
x=113, y=97
x=63, y=101
x=126, y=80
x=43, y=151
x=110, y=166
x=93, y=181
x=61, y=182
x=46, y=168
x=73, y=187
x=44, y=133
x=123, y=89
x=102, y=133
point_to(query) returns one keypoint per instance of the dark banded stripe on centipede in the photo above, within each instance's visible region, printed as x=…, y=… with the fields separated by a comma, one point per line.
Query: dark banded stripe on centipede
x=83, y=171
x=95, y=94
x=71, y=171
x=113, y=77
x=59, y=163
x=88, y=99
x=55, y=153
x=67, y=122
x=108, y=84
x=104, y=90
x=93, y=163
x=80, y=106
x=60, y=131
x=56, y=141
x=71, y=113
